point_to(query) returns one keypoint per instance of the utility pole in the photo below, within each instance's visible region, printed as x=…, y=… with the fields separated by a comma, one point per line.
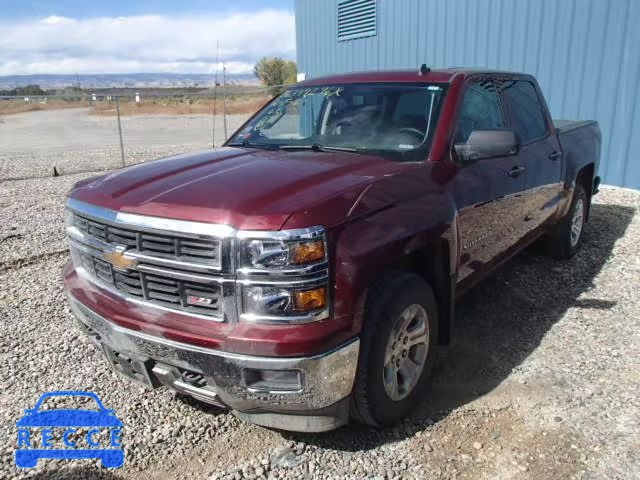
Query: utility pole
x=224, y=98
x=215, y=97
x=120, y=129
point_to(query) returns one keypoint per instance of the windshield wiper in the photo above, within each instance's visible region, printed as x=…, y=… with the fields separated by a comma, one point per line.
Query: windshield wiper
x=320, y=148
x=246, y=143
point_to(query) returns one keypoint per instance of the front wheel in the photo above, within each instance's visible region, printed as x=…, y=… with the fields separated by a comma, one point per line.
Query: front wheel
x=397, y=350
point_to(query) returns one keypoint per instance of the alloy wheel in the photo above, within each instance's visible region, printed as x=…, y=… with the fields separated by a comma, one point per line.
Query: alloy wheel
x=577, y=221
x=406, y=352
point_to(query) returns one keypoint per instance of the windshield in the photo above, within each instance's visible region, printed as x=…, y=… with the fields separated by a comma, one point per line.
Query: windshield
x=393, y=120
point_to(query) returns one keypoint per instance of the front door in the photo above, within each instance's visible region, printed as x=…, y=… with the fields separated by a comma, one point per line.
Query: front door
x=489, y=192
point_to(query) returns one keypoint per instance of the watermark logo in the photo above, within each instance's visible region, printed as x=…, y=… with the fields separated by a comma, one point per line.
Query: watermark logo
x=64, y=433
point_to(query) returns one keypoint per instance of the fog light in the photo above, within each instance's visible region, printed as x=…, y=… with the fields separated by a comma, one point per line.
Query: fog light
x=272, y=380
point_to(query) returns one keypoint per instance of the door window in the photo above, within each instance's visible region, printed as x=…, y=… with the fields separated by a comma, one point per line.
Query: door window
x=480, y=110
x=525, y=110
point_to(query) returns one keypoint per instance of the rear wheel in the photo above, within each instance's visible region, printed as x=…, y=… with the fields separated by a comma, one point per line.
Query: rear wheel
x=566, y=238
x=398, y=343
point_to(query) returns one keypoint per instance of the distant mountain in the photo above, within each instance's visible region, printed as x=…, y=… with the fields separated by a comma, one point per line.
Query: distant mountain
x=124, y=80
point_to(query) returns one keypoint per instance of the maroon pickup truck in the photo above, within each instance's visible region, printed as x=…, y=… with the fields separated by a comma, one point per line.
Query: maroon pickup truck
x=305, y=273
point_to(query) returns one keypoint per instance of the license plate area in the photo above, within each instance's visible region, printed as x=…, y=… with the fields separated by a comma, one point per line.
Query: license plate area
x=135, y=368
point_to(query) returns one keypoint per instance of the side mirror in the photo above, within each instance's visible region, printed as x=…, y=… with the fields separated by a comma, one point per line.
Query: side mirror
x=487, y=144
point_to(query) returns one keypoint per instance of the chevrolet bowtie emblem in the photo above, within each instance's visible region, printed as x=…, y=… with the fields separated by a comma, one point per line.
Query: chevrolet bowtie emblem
x=119, y=260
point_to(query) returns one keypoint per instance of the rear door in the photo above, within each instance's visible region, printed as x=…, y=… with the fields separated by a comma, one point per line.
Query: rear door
x=488, y=193
x=540, y=152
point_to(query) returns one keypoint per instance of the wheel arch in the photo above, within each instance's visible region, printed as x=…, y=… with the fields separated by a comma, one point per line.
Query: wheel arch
x=419, y=236
x=431, y=262
x=585, y=178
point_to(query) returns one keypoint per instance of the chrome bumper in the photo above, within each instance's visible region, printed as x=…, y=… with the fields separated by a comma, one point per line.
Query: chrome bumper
x=320, y=404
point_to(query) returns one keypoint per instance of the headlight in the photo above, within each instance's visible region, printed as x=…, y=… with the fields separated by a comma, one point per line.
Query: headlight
x=276, y=302
x=284, y=276
x=283, y=249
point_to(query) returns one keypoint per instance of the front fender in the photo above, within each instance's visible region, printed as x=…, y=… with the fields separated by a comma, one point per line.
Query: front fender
x=390, y=239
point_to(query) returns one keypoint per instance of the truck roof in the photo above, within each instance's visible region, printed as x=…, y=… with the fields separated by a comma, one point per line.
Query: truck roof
x=444, y=75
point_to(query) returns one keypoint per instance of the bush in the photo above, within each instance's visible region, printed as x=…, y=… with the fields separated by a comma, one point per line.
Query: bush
x=274, y=72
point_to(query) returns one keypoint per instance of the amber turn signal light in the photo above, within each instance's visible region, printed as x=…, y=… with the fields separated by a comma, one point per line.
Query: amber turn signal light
x=307, y=300
x=307, y=252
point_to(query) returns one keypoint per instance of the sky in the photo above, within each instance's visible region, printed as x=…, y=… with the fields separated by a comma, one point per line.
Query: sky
x=142, y=36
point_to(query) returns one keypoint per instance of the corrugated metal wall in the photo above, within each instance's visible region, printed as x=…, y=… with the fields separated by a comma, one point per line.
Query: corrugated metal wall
x=585, y=54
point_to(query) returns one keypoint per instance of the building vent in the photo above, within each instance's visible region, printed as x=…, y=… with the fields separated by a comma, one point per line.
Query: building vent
x=356, y=19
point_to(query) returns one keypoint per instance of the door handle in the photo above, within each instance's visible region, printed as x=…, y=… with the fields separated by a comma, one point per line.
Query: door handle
x=515, y=171
x=555, y=155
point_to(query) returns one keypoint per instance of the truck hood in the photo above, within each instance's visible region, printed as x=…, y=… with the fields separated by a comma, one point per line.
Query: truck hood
x=245, y=188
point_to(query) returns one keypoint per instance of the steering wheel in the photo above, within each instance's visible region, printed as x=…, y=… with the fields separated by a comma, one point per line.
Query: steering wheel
x=412, y=131
x=340, y=124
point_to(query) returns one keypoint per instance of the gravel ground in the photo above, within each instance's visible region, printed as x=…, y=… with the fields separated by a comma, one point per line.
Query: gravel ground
x=73, y=140
x=541, y=381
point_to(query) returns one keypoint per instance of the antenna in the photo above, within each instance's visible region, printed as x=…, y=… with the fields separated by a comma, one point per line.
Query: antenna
x=215, y=97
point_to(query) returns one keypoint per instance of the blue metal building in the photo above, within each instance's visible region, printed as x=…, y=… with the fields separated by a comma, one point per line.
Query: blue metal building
x=585, y=53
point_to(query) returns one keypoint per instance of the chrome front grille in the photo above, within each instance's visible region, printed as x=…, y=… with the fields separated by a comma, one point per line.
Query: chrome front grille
x=186, y=266
x=189, y=296
x=170, y=264
x=173, y=246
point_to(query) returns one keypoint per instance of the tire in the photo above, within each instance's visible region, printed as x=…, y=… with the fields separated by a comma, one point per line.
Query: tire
x=566, y=237
x=390, y=303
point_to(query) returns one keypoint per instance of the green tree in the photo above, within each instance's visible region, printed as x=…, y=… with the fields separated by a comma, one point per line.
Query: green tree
x=30, y=90
x=274, y=71
x=27, y=91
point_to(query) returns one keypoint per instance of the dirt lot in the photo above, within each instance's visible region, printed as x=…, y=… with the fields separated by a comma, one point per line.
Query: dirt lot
x=74, y=140
x=11, y=107
x=540, y=382
x=242, y=103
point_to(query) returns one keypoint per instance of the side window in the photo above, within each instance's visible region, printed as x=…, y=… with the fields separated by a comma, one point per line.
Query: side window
x=525, y=110
x=480, y=110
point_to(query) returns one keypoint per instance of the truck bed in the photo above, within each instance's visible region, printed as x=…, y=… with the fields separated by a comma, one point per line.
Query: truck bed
x=564, y=126
x=580, y=141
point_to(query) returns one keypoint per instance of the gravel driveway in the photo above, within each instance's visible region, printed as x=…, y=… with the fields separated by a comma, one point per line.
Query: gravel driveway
x=542, y=379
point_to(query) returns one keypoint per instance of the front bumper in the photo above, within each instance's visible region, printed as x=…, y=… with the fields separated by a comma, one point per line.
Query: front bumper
x=318, y=403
